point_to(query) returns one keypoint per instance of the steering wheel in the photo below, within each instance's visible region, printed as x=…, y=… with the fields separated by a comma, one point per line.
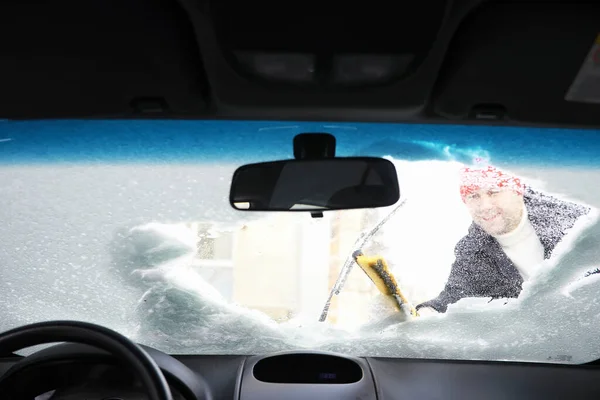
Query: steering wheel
x=103, y=338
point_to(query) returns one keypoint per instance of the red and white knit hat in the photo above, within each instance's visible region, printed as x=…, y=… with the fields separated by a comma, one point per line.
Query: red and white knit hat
x=476, y=178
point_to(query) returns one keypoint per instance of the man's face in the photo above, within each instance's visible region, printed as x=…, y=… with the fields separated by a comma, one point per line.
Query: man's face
x=497, y=211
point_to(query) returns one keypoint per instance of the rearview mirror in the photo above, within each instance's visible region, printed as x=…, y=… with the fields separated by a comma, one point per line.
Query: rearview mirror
x=315, y=185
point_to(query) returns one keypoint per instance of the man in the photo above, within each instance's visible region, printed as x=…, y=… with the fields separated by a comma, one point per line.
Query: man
x=514, y=230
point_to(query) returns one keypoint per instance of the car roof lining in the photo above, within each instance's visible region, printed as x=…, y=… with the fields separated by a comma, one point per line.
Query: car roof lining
x=168, y=59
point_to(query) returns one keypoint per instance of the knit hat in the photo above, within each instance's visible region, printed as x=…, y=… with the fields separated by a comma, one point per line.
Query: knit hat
x=473, y=179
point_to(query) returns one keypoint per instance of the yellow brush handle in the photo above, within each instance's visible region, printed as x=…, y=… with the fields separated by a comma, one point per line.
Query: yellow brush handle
x=378, y=271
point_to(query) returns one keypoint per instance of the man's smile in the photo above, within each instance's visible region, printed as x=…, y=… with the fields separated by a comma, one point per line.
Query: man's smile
x=490, y=217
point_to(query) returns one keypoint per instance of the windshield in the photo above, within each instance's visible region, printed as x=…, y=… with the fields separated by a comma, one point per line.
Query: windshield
x=493, y=247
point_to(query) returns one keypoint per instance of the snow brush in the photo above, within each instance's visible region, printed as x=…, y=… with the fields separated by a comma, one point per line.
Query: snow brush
x=378, y=271
x=347, y=267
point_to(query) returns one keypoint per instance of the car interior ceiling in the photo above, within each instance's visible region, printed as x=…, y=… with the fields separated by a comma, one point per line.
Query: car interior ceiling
x=495, y=61
x=433, y=61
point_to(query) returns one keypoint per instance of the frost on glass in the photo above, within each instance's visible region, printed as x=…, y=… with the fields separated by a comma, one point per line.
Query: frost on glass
x=157, y=254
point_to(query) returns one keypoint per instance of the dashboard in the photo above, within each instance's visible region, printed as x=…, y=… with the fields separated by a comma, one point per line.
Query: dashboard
x=74, y=371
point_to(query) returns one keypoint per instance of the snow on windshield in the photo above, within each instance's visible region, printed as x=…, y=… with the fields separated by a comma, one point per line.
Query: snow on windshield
x=156, y=252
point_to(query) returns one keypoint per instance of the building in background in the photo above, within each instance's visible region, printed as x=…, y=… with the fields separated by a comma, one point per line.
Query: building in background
x=285, y=266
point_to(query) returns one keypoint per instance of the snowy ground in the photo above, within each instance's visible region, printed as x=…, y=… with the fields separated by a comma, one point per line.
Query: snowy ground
x=58, y=262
